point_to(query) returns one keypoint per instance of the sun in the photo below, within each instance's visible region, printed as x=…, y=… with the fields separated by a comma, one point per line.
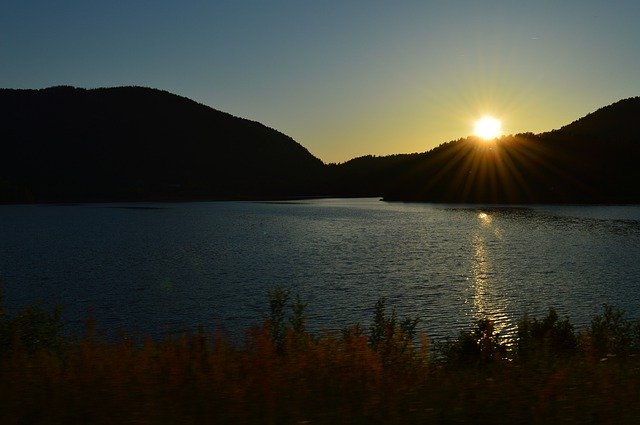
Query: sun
x=487, y=128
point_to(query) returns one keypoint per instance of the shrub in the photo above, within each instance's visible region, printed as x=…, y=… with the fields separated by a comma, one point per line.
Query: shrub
x=546, y=337
x=385, y=327
x=356, y=377
x=286, y=329
x=612, y=334
x=276, y=323
x=478, y=347
x=31, y=329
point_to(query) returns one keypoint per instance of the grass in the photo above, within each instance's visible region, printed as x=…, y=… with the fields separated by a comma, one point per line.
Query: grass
x=283, y=374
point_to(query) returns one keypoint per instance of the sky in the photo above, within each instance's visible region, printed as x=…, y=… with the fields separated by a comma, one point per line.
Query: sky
x=343, y=78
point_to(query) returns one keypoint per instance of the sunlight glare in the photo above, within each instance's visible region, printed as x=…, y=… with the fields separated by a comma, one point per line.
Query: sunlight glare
x=484, y=218
x=487, y=128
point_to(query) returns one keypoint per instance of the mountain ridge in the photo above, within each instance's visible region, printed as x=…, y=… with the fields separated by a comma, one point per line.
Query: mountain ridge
x=67, y=144
x=621, y=118
x=141, y=143
x=593, y=160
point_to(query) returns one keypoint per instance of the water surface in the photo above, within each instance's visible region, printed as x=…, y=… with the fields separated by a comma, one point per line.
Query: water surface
x=165, y=268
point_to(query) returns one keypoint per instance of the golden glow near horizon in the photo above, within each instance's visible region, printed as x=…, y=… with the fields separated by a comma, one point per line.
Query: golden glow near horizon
x=487, y=128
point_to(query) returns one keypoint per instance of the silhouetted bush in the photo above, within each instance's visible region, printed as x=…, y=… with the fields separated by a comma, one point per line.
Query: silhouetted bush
x=384, y=327
x=286, y=329
x=31, y=329
x=549, y=336
x=479, y=347
x=276, y=323
x=612, y=334
x=355, y=376
x=392, y=339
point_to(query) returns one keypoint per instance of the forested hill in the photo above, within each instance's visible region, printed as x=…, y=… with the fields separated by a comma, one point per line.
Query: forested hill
x=71, y=144
x=65, y=144
x=619, y=121
x=595, y=159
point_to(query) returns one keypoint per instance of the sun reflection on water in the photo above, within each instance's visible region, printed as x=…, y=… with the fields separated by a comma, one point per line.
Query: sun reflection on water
x=484, y=218
x=486, y=298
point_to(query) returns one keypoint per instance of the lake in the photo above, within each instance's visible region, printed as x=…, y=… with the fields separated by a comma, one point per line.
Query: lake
x=163, y=268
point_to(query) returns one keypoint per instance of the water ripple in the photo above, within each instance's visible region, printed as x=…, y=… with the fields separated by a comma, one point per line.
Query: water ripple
x=213, y=263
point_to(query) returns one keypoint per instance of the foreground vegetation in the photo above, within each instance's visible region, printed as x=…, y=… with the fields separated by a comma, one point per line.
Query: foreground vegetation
x=283, y=374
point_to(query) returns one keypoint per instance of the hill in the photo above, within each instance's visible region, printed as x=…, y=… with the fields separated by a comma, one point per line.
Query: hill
x=131, y=143
x=71, y=144
x=595, y=159
x=618, y=121
x=367, y=176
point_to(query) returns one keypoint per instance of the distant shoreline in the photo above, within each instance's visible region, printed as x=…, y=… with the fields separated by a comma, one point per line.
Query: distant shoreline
x=305, y=198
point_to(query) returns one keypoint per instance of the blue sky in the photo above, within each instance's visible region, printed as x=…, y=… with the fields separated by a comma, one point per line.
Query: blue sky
x=344, y=78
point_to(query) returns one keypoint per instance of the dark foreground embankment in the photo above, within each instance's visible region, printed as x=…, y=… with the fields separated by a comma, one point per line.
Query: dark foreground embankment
x=282, y=374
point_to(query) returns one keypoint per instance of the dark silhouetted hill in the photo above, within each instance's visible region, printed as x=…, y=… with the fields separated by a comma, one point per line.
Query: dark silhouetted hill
x=132, y=143
x=71, y=144
x=619, y=121
x=595, y=159
x=367, y=176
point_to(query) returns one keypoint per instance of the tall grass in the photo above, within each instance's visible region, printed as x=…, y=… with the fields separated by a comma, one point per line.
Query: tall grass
x=284, y=374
